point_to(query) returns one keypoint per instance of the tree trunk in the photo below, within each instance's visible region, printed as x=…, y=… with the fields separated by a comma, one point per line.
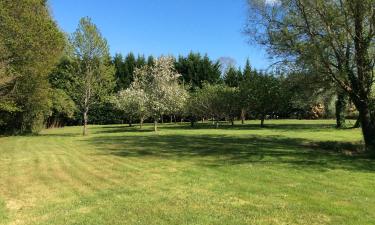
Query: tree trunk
x=262, y=118
x=85, y=118
x=162, y=119
x=217, y=124
x=232, y=121
x=368, y=129
x=155, y=125
x=362, y=49
x=171, y=118
x=243, y=114
x=141, y=123
x=340, y=110
x=357, y=123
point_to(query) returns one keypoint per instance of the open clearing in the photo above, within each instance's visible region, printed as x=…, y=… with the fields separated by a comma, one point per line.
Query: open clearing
x=282, y=174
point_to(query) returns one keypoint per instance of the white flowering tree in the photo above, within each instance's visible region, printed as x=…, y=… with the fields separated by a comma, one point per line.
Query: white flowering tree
x=160, y=83
x=133, y=102
x=177, y=99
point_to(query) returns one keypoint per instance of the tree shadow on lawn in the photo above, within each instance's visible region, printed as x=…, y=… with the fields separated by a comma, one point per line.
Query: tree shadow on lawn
x=60, y=134
x=119, y=129
x=219, y=150
x=271, y=126
x=224, y=126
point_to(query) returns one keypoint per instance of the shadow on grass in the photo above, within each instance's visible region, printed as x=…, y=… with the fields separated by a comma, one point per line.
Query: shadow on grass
x=60, y=135
x=271, y=126
x=219, y=150
x=223, y=126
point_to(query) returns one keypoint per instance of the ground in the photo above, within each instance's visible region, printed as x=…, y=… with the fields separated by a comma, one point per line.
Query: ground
x=287, y=173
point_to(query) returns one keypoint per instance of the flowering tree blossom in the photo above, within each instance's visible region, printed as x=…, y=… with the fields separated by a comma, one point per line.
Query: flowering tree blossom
x=160, y=83
x=133, y=103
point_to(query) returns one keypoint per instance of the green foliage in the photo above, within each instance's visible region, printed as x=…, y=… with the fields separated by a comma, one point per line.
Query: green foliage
x=32, y=43
x=214, y=101
x=232, y=77
x=62, y=104
x=262, y=94
x=92, y=69
x=334, y=38
x=125, y=67
x=247, y=71
x=196, y=70
x=63, y=108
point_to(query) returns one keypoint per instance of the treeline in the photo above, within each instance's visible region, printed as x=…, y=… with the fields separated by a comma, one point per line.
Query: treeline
x=48, y=79
x=237, y=95
x=30, y=46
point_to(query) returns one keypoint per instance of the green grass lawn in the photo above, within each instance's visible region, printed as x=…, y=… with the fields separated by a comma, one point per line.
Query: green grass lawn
x=286, y=173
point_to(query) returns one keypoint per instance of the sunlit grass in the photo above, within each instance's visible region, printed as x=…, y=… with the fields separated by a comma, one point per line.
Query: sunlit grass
x=286, y=173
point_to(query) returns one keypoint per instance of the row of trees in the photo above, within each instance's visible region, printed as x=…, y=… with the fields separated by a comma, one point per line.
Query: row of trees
x=80, y=84
x=157, y=91
x=154, y=92
x=48, y=78
x=194, y=69
x=327, y=47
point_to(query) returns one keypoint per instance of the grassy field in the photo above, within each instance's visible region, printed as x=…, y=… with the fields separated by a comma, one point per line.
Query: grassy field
x=285, y=173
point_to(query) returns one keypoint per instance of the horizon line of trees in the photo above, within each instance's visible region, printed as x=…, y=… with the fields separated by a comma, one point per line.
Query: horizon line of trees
x=49, y=79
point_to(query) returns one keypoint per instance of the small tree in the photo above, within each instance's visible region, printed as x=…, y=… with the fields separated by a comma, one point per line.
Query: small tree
x=214, y=101
x=230, y=104
x=93, y=72
x=262, y=94
x=160, y=83
x=133, y=102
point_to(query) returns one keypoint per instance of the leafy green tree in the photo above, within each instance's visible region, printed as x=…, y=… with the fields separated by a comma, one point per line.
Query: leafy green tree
x=262, y=94
x=230, y=104
x=214, y=101
x=32, y=44
x=7, y=104
x=245, y=76
x=93, y=71
x=334, y=37
x=307, y=89
x=63, y=108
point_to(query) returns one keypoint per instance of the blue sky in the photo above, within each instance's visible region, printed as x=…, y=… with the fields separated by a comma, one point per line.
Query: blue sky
x=156, y=27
